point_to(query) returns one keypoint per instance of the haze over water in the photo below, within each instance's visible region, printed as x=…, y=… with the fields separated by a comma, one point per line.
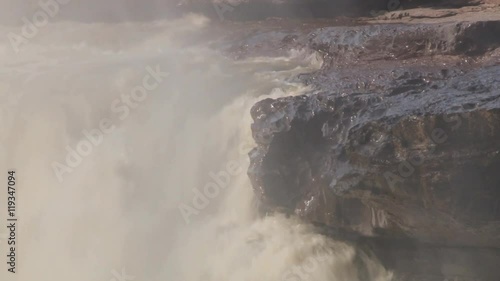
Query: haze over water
x=114, y=129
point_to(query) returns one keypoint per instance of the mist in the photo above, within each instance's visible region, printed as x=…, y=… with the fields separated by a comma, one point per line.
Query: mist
x=130, y=142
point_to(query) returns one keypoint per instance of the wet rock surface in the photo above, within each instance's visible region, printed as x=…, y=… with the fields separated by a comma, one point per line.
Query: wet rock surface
x=416, y=161
x=395, y=134
x=397, y=146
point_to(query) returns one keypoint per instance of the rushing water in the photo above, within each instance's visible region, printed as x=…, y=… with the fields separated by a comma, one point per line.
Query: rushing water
x=130, y=144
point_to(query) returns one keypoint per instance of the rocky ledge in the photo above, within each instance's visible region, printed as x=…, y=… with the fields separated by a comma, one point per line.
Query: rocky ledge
x=420, y=160
x=398, y=140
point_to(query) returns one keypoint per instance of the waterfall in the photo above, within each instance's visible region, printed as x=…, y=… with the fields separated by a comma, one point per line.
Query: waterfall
x=130, y=142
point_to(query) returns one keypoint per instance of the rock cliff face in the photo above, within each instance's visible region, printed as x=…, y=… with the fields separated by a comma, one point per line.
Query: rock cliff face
x=399, y=139
x=415, y=161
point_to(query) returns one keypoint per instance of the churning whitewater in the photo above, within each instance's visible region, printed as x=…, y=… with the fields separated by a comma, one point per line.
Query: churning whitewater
x=131, y=142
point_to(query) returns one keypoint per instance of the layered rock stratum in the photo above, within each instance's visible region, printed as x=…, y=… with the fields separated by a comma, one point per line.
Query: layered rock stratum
x=397, y=146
